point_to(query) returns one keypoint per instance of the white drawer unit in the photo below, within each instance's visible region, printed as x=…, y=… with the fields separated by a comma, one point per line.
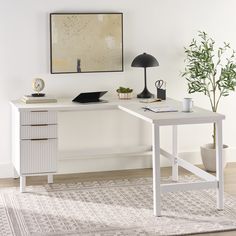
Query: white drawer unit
x=34, y=143
x=38, y=131
x=38, y=156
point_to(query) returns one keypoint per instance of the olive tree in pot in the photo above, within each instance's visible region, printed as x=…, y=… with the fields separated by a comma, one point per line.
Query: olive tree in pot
x=211, y=71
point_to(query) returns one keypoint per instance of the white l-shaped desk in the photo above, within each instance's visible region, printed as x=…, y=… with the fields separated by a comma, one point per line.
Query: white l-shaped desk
x=34, y=141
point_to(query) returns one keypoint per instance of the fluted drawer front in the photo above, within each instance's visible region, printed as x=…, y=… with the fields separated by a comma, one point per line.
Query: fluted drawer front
x=38, y=131
x=38, y=117
x=38, y=156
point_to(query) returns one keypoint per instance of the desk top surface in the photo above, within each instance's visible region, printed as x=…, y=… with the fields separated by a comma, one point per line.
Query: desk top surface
x=133, y=107
x=198, y=115
x=66, y=104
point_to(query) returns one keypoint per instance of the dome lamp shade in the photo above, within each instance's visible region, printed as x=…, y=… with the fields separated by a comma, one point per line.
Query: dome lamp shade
x=145, y=60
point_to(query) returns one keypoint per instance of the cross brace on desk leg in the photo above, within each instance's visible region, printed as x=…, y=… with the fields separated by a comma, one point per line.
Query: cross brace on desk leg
x=156, y=170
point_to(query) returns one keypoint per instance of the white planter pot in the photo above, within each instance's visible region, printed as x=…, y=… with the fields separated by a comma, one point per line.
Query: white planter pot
x=125, y=95
x=208, y=154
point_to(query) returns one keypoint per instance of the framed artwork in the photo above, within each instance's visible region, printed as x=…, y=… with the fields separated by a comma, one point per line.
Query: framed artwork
x=86, y=42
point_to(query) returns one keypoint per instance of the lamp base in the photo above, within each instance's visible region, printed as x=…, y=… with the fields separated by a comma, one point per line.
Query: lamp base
x=145, y=94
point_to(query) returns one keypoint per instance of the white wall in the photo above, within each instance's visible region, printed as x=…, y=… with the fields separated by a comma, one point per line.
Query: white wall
x=161, y=28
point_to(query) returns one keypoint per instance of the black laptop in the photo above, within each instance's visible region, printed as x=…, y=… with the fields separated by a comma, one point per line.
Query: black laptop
x=90, y=97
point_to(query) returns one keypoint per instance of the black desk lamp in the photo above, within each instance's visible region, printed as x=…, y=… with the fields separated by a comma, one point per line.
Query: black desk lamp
x=145, y=60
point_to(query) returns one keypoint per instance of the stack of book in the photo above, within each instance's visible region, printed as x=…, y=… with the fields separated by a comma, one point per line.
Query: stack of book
x=28, y=99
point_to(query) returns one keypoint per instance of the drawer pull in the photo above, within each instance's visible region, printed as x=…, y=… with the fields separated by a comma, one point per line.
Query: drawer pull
x=40, y=125
x=40, y=111
x=38, y=139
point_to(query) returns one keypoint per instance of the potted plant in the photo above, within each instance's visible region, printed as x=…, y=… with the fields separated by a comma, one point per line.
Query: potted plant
x=124, y=93
x=211, y=71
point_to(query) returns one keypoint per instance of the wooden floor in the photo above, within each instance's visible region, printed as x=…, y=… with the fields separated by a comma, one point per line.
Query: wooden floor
x=229, y=174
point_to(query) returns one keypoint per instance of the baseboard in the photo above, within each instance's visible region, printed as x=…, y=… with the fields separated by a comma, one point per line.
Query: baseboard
x=195, y=156
x=113, y=162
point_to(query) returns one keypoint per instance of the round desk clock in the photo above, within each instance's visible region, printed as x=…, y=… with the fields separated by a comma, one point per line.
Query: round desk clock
x=38, y=85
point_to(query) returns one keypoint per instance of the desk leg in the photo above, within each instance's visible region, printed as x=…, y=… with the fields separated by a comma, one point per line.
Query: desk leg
x=22, y=183
x=156, y=170
x=219, y=166
x=175, y=168
x=50, y=179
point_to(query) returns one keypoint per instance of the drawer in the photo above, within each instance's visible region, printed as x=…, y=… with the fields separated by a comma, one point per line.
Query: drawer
x=38, y=156
x=38, y=117
x=38, y=131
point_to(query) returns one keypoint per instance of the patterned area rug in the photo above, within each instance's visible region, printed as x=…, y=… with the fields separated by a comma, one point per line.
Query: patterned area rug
x=117, y=207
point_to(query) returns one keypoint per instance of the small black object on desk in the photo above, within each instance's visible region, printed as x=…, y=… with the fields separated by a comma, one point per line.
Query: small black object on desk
x=90, y=97
x=161, y=89
x=38, y=94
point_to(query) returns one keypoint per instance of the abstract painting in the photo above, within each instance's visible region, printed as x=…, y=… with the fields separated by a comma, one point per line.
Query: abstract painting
x=86, y=42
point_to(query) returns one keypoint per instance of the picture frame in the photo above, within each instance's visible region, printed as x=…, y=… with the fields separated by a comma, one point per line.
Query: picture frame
x=86, y=42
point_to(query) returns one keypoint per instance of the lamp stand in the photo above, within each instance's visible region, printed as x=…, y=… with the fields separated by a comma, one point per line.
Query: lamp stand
x=145, y=93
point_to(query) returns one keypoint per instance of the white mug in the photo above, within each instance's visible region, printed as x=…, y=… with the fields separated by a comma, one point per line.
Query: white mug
x=187, y=105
